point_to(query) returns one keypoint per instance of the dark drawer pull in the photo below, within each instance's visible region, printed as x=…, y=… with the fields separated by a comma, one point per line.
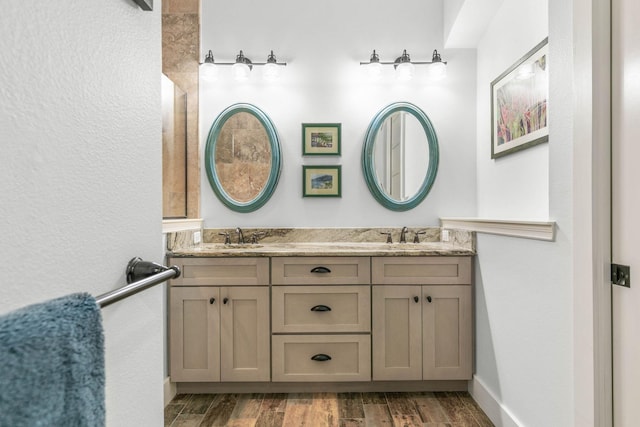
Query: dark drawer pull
x=320, y=270
x=212, y=300
x=320, y=308
x=321, y=357
x=225, y=300
x=429, y=298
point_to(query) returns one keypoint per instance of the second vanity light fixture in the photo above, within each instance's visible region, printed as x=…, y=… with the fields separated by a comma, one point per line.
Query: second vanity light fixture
x=241, y=68
x=405, y=67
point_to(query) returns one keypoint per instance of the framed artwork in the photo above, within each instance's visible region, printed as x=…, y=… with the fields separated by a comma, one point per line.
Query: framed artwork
x=321, y=181
x=144, y=4
x=519, y=104
x=321, y=139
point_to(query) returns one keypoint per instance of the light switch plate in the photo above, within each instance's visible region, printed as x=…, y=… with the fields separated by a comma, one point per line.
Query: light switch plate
x=197, y=237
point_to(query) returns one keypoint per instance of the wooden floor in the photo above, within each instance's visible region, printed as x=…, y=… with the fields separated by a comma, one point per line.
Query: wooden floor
x=451, y=409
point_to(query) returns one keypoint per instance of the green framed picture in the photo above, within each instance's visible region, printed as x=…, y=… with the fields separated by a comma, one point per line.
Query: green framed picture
x=321, y=181
x=321, y=139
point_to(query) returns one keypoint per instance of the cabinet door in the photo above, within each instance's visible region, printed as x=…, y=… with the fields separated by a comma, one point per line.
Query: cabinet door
x=244, y=337
x=396, y=329
x=446, y=329
x=194, y=334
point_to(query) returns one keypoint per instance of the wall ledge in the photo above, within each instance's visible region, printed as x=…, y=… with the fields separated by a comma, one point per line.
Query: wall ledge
x=175, y=225
x=538, y=230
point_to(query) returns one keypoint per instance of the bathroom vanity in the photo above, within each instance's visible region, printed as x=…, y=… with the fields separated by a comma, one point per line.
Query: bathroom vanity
x=322, y=315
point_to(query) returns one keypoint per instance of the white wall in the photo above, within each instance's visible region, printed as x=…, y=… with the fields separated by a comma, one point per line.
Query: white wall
x=324, y=83
x=525, y=193
x=523, y=287
x=80, y=175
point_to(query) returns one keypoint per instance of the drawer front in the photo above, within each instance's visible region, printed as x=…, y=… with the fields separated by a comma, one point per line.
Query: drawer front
x=321, y=358
x=239, y=271
x=421, y=270
x=321, y=309
x=320, y=271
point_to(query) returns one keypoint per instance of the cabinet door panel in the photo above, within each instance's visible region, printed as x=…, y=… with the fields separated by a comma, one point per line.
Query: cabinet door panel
x=396, y=328
x=245, y=334
x=447, y=332
x=194, y=334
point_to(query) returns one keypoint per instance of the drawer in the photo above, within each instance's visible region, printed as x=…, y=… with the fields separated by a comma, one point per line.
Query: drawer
x=321, y=308
x=320, y=271
x=221, y=271
x=421, y=270
x=321, y=358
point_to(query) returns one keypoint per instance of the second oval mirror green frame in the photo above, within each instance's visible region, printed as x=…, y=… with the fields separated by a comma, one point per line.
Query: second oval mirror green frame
x=400, y=156
x=243, y=157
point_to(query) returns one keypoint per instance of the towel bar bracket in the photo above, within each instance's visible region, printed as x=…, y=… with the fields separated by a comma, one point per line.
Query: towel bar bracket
x=140, y=276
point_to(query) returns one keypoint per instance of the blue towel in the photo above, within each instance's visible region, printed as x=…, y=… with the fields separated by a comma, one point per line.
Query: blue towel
x=52, y=364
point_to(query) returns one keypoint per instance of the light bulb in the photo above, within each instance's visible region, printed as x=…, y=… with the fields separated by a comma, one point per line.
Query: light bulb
x=437, y=71
x=405, y=71
x=240, y=71
x=271, y=72
x=209, y=72
x=374, y=71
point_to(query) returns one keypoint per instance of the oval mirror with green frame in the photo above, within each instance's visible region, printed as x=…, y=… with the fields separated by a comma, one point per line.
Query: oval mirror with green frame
x=243, y=157
x=400, y=156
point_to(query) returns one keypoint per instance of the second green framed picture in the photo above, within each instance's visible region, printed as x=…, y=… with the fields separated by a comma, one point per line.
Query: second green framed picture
x=321, y=139
x=321, y=181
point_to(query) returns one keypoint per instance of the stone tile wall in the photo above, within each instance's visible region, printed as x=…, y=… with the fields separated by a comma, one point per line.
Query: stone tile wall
x=180, y=62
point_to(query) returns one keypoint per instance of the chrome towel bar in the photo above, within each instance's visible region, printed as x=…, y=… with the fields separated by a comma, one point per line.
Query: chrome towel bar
x=141, y=275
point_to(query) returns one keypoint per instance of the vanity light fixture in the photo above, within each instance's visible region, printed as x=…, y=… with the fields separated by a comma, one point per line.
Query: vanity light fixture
x=208, y=70
x=405, y=67
x=242, y=67
x=374, y=67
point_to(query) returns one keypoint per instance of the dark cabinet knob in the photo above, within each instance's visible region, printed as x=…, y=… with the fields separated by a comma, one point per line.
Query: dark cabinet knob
x=320, y=269
x=320, y=308
x=416, y=299
x=212, y=300
x=225, y=300
x=429, y=298
x=321, y=357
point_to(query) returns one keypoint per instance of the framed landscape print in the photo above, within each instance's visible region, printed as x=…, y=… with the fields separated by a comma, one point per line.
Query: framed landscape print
x=519, y=104
x=321, y=139
x=321, y=181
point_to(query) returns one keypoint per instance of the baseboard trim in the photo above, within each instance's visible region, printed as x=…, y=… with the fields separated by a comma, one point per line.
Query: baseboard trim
x=322, y=387
x=170, y=391
x=491, y=406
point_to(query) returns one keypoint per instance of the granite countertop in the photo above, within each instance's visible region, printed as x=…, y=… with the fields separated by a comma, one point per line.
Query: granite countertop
x=324, y=242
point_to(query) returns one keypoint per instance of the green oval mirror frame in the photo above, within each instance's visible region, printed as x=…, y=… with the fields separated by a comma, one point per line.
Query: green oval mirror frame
x=271, y=150
x=368, y=158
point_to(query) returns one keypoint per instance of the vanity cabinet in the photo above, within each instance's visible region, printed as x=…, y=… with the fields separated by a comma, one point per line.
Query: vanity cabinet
x=421, y=332
x=321, y=314
x=321, y=319
x=220, y=333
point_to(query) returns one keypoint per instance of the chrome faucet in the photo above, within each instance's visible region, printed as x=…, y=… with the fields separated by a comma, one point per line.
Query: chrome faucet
x=240, y=236
x=403, y=235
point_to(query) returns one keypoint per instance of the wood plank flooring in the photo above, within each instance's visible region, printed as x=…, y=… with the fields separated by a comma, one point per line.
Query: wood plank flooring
x=424, y=409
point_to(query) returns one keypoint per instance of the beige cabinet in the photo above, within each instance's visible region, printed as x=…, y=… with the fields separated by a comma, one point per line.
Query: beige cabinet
x=421, y=332
x=321, y=319
x=220, y=333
